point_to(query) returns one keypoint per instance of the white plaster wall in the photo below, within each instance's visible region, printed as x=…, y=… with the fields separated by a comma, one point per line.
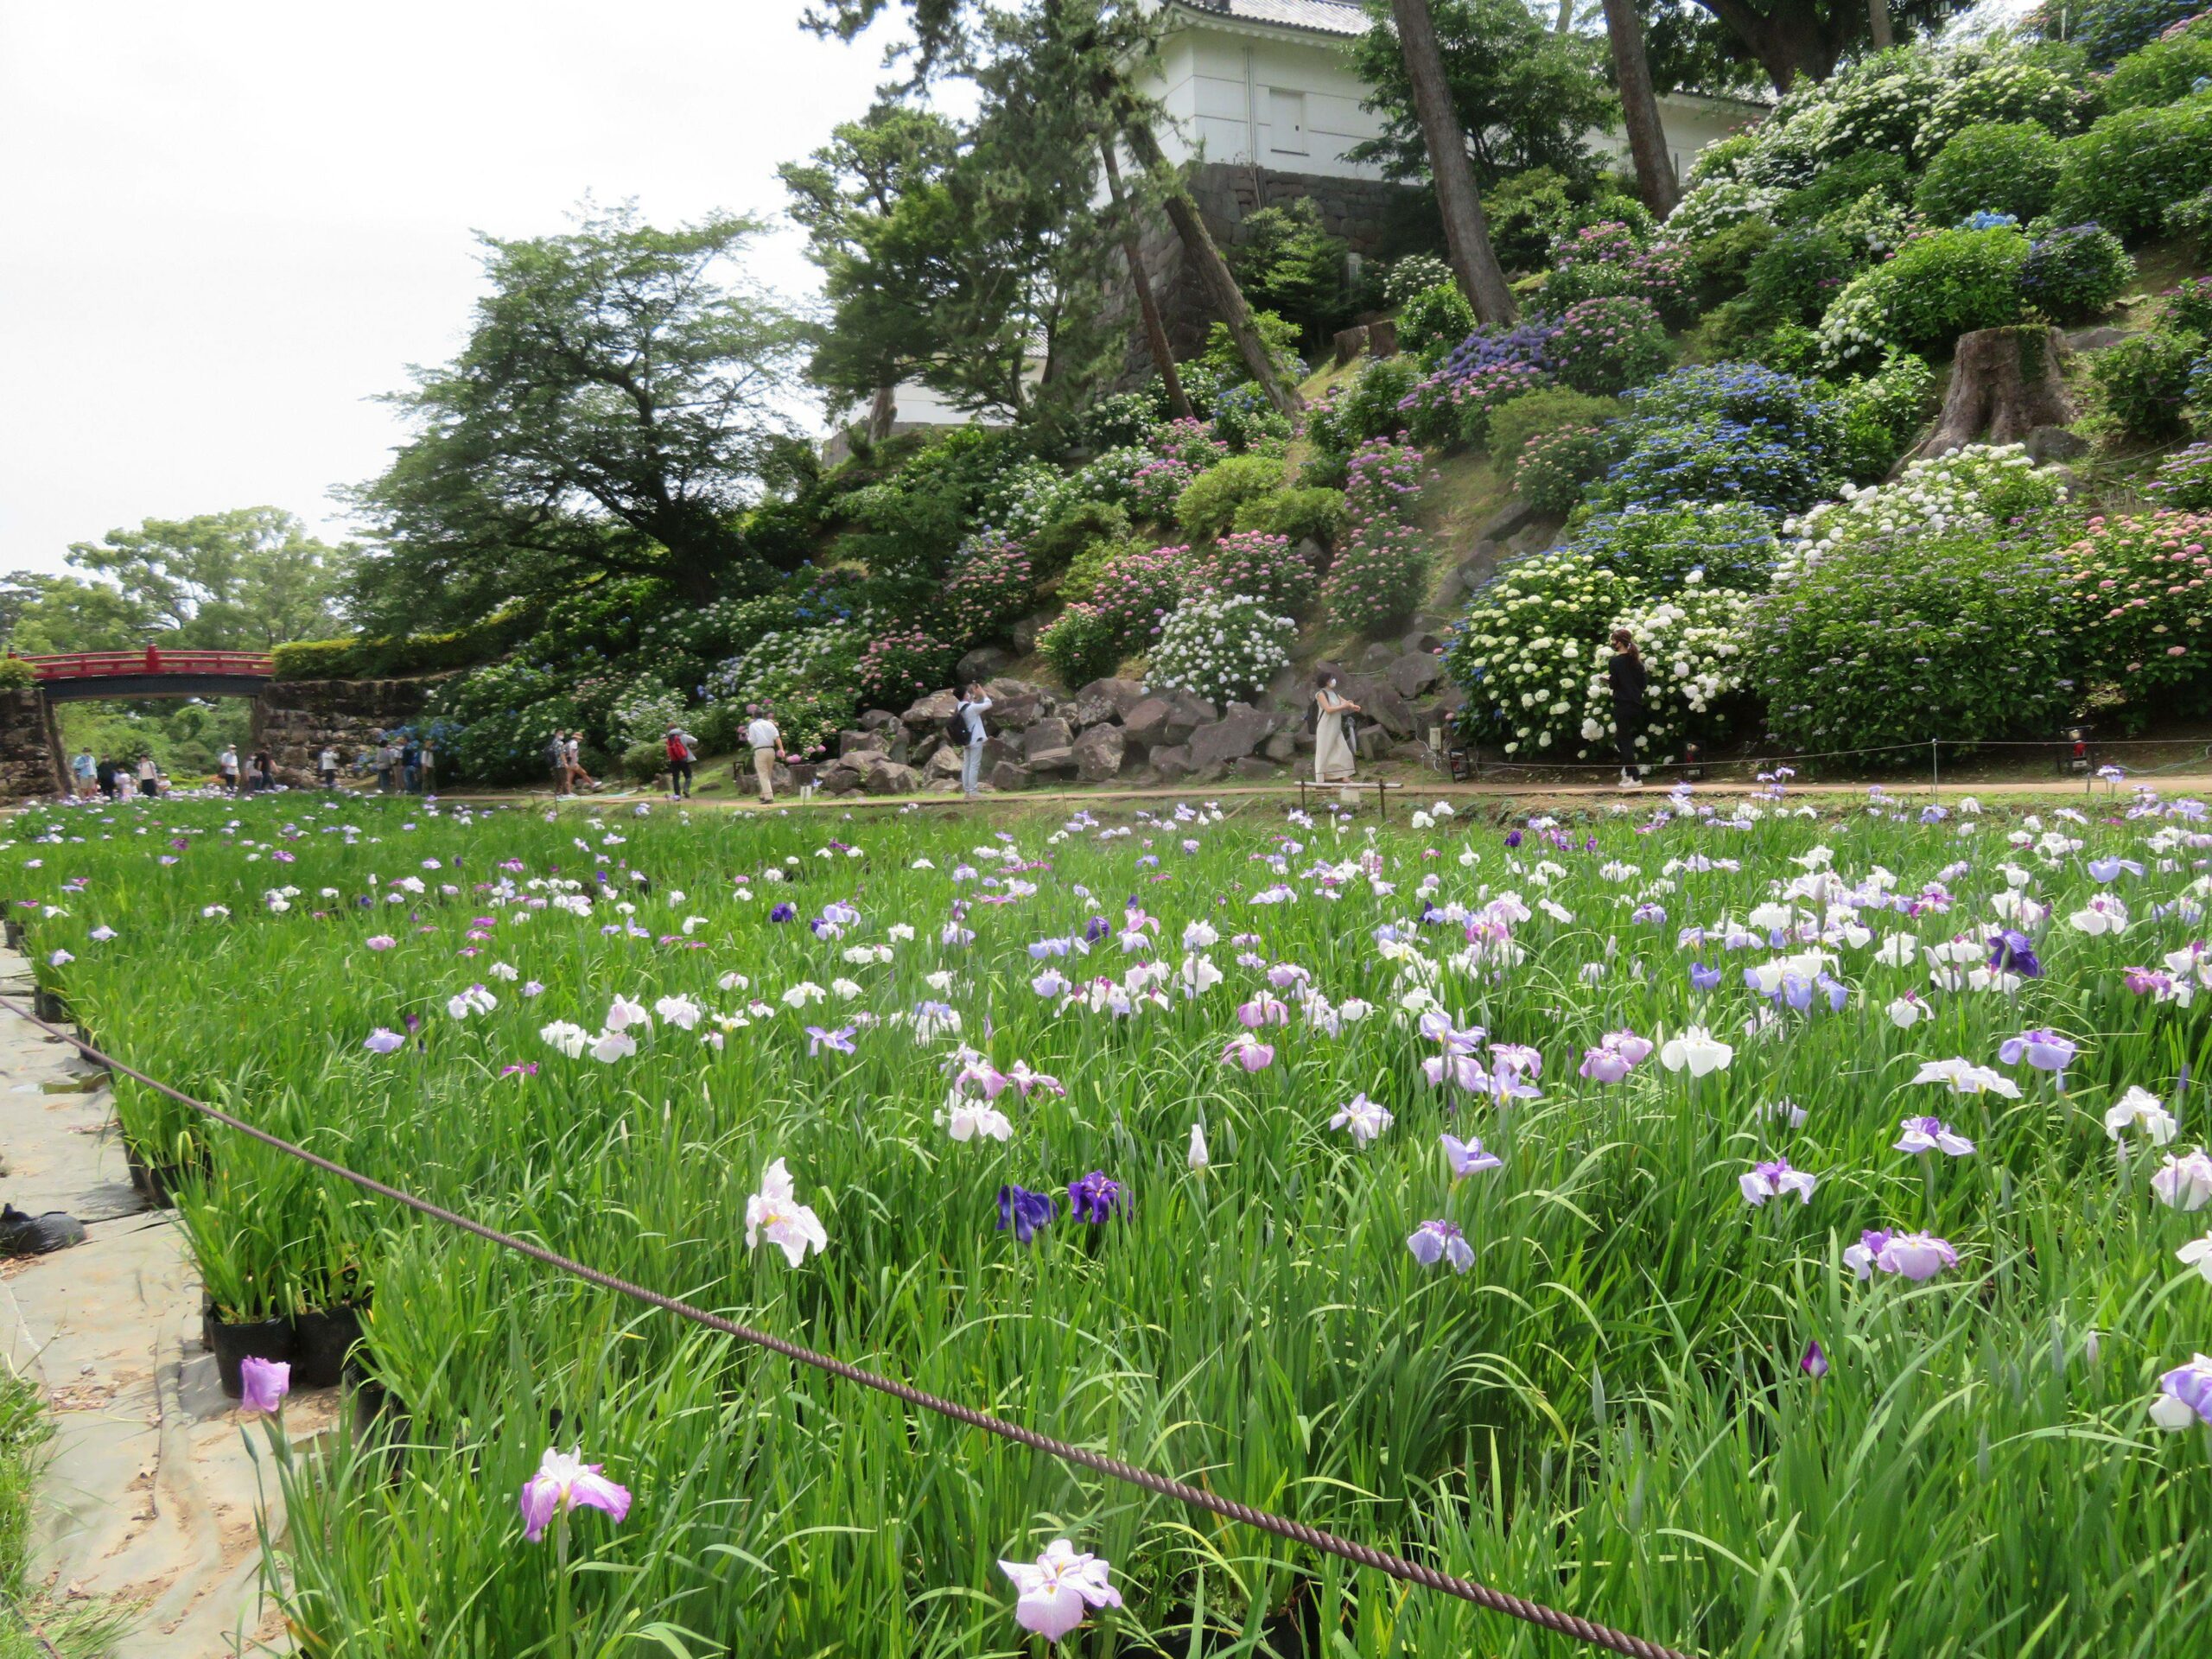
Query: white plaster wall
x=1218, y=85
x=1690, y=123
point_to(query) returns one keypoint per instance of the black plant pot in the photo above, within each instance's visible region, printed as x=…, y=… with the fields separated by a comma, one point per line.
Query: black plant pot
x=156, y=1181
x=13, y=932
x=233, y=1344
x=321, y=1341
x=379, y=1418
x=50, y=1005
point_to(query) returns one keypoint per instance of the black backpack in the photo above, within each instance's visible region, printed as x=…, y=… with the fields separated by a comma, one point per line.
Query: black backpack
x=955, y=729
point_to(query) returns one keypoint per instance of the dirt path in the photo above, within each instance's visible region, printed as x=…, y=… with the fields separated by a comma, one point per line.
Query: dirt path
x=150, y=1497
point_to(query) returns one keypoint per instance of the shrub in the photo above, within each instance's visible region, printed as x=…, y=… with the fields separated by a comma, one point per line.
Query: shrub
x=1447, y=410
x=2184, y=480
x=1553, y=467
x=2076, y=272
x=1608, y=345
x=1726, y=431
x=1414, y=273
x=1527, y=344
x=2109, y=29
x=2199, y=394
x=1662, y=549
x=1980, y=487
x=2002, y=166
x=1300, y=515
x=1519, y=652
x=2186, y=308
x=1843, y=184
x=1136, y=588
x=988, y=586
x=1223, y=647
x=2191, y=218
x=1288, y=263
x=2143, y=382
x=1721, y=263
x=1434, y=320
x=16, y=674
x=1081, y=646
x=1379, y=577
x=2124, y=171
x=902, y=664
x=1959, y=641
x=1385, y=480
x=1370, y=408
x=1266, y=568
x=808, y=675
x=1278, y=335
x=1245, y=420
x=1080, y=581
x=2165, y=72
x=1692, y=643
x=2139, y=606
x=1606, y=260
x=1084, y=525
x=1514, y=423
x=1879, y=413
x=1709, y=208
x=1935, y=289
x=2010, y=89
x=1209, y=502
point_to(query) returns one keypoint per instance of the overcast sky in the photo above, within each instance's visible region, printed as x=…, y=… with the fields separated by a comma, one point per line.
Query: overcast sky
x=229, y=224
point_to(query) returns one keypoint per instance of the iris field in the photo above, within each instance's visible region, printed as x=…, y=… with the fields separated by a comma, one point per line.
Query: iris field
x=1150, y=1133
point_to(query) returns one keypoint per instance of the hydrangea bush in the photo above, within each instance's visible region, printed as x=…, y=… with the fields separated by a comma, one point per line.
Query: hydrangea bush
x=2138, y=602
x=1223, y=647
x=901, y=665
x=1521, y=653
x=1262, y=567
x=2076, y=272
x=1379, y=575
x=2184, y=480
x=1725, y=544
x=1607, y=345
x=988, y=586
x=1933, y=290
x=1693, y=646
x=1553, y=467
x=1978, y=487
x=810, y=675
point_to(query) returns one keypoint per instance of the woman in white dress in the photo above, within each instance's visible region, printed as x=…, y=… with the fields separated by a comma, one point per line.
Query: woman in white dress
x=1332, y=752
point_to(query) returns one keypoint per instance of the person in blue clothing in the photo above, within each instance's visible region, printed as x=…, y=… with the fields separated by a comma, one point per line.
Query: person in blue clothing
x=973, y=707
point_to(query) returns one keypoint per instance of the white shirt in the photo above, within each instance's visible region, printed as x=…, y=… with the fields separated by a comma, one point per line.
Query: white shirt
x=147, y=770
x=328, y=761
x=975, y=713
x=229, y=762
x=762, y=733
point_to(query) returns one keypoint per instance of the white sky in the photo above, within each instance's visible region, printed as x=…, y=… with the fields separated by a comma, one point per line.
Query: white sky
x=228, y=224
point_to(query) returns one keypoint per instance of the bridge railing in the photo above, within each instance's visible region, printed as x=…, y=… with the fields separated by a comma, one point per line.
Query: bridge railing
x=116, y=664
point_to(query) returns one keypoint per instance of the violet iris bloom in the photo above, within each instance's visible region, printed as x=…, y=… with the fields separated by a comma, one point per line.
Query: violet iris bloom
x=2046, y=1051
x=1251, y=1055
x=1439, y=1241
x=263, y=1383
x=2106, y=869
x=2012, y=952
x=1094, y=1198
x=1914, y=1255
x=1704, y=978
x=2184, y=1395
x=383, y=1040
x=1814, y=1364
x=1923, y=1134
x=1467, y=1157
x=783, y=913
x=817, y=1040
x=1025, y=1211
x=1772, y=1180
x=563, y=1482
x=1513, y=838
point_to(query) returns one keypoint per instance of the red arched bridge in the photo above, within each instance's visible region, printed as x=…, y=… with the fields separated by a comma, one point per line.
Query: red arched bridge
x=77, y=675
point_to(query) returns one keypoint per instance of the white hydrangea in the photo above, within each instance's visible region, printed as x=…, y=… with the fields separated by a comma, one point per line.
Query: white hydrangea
x=1971, y=488
x=1693, y=644
x=1223, y=647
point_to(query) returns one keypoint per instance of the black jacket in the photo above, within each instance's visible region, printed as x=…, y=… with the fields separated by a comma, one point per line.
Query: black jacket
x=1624, y=674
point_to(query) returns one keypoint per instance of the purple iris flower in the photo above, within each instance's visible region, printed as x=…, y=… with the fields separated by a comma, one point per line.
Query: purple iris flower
x=1094, y=1198
x=1814, y=1364
x=2046, y=1051
x=1025, y=1211
x=1439, y=1241
x=817, y=1040
x=1513, y=838
x=2014, y=952
x=1096, y=929
x=1704, y=978
x=783, y=913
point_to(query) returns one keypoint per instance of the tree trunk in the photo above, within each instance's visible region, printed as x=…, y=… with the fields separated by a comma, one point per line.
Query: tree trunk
x=1647, y=139
x=1465, y=231
x=2005, y=383
x=1877, y=24
x=1199, y=247
x=1565, y=17
x=1155, y=330
x=882, y=411
x=1791, y=42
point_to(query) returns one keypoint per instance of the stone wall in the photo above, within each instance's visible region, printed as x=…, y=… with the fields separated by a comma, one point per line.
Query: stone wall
x=31, y=761
x=295, y=719
x=1227, y=193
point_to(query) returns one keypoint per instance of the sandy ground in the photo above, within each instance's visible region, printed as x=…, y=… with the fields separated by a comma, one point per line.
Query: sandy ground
x=150, y=1496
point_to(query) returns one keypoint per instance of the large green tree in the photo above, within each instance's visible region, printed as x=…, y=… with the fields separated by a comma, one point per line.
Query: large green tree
x=621, y=389
x=1789, y=38
x=1523, y=95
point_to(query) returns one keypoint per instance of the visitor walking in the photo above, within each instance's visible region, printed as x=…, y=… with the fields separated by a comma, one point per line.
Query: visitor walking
x=1625, y=676
x=426, y=766
x=150, y=775
x=410, y=757
x=265, y=770
x=85, y=771
x=680, y=757
x=227, y=764
x=325, y=766
x=972, y=708
x=579, y=779
x=557, y=762
x=1334, y=756
x=761, y=732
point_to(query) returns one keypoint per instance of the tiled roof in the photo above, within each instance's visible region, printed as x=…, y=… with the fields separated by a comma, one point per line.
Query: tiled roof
x=1320, y=17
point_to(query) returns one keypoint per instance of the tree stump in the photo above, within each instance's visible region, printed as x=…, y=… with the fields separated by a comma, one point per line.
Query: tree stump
x=2005, y=383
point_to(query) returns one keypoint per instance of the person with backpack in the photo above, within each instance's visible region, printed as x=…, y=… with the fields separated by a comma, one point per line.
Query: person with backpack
x=968, y=721
x=557, y=762
x=763, y=737
x=1329, y=718
x=680, y=757
x=1626, y=680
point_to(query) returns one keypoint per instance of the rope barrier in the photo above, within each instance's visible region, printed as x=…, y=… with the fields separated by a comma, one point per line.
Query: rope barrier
x=1396, y=1566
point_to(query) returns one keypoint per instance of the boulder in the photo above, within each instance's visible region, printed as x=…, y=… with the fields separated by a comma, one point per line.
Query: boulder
x=2096, y=339
x=1514, y=516
x=981, y=663
x=856, y=742
x=1007, y=686
x=2050, y=443
x=1106, y=700
x=1016, y=713
x=1377, y=658
x=1049, y=733
x=1379, y=701
x=889, y=778
x=839, y=780
x=1232, y=737
x=1414, y=672
x=1145, y=724
x=1252, y=769
x=1052, y=760
x=1099, y=753
x=931, y=711
x=1008, y=776
x=1023, y=633
x=1373, y=742
x=945, y=763
x=878, y=719
x=1281, y=747
x=1408, y=752
x=1171, y=762
x=1534, y=538
x=1427, y=636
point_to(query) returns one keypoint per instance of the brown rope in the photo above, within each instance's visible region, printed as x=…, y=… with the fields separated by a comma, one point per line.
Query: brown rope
x=1397, y=1566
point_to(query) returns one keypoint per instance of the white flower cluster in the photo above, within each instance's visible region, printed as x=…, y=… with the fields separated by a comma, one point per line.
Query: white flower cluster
x=1971, y=488
x=1029, y=496
x=1522, y=649
x=785, y=660
x=646, y=710
x=1712, y=207
x=1221, y=646
x=1693, y=648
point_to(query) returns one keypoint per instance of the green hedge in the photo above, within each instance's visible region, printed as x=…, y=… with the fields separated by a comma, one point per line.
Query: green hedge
x=367, y=658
